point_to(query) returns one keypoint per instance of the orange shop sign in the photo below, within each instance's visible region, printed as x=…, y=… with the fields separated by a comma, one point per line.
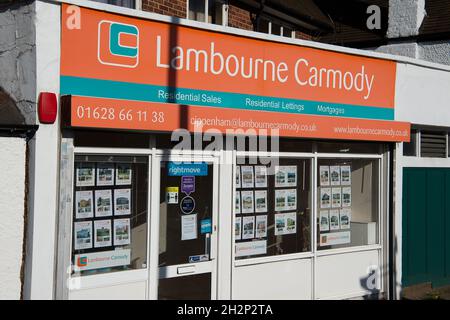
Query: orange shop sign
x=148, y=116
x=117, y=57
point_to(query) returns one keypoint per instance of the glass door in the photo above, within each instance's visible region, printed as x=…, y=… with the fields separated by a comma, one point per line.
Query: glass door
x=187, y=228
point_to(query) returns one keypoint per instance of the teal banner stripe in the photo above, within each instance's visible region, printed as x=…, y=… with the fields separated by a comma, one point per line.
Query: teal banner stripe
x=151, y=93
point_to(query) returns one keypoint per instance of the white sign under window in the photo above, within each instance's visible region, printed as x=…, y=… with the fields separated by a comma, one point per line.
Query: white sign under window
x=251, y=248
x=335, y=238
x=103, y=259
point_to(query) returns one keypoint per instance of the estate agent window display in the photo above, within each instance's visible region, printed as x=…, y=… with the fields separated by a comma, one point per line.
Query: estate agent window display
x=272, y=208
x=109, y=210
x=348, y=202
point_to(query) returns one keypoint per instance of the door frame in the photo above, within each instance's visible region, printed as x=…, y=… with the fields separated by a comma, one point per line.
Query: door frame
x=154, y=270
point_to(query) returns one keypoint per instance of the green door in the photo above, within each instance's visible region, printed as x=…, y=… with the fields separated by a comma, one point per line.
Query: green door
x=426, y=226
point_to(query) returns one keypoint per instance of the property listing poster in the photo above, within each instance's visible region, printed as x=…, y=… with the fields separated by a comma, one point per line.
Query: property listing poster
x=237, y=228
x=105, y=174
x=260, y=177
x=285, y=176
x=123, y=174
x=261, y=226
x=84, y=205
x=83, y=235
x=247, y=177
x=103, y=203
x=260, y=201
x=324, y=219
x=122, y=234
x=122, y=202
x=285, y=223
x=85, y=175
x=237, y=207
x=285, y=199
x=238, y=177
x=324, y=175
x=248, y=227
x=102, y=233
x=247, y=202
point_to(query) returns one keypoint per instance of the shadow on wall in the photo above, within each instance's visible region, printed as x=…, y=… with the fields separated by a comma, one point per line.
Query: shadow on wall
x=9, y=113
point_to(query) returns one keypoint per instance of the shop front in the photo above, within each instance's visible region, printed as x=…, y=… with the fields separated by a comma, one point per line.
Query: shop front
x=199, y=164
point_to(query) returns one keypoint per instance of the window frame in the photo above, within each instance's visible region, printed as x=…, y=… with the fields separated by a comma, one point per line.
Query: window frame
x=270, y=20
x=137, y=4
x=109, y=278
x=283, y=257
x=206, y=12
x=381, y=200
x=315, y=252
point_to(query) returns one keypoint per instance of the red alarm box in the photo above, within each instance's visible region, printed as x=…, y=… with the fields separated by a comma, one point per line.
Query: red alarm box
x=47, y=107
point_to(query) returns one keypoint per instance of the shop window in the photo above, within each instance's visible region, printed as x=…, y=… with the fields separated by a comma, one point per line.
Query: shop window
x=288, y=32
x=410, y=148
x=272, y=208
x=122, y=3
x=109, y=230
x=210, y=11
x=275, y=27
x=264, y=26
x=433, y=144
x=348, y=203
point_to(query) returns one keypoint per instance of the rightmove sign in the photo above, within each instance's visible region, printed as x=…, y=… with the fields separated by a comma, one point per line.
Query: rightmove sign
x=187, y=169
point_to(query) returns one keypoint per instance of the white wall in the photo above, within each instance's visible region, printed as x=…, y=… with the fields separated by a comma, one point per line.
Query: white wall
x=12, y=200
x=345, y=275
x=422, y=95
x=280, y=280
x=44, y=163
x=126, y=291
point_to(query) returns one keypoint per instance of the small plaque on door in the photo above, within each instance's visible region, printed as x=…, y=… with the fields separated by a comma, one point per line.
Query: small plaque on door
x=199, y=258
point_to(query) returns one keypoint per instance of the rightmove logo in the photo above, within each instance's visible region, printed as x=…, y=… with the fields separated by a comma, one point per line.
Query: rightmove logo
x=118, y=44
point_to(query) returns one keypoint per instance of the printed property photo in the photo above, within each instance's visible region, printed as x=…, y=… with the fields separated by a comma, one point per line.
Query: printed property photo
x=225, y=150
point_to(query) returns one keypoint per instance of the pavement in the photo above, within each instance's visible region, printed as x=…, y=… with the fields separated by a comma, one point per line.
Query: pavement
x=425, y=291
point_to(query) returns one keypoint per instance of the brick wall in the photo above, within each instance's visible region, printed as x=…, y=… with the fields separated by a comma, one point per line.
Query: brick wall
x=301, y=35
x=173, y=8
x=239, y=18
